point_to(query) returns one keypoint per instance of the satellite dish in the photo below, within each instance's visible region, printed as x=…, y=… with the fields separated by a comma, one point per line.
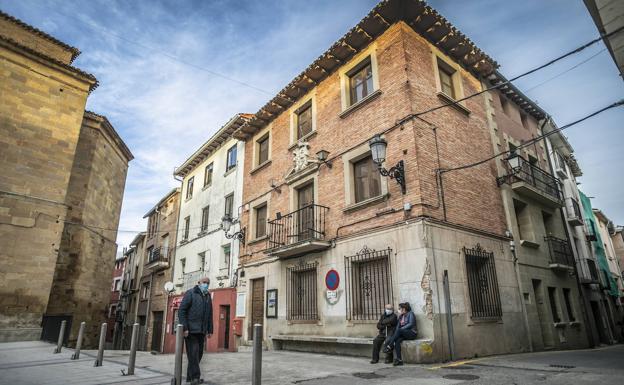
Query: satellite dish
x=169, y=287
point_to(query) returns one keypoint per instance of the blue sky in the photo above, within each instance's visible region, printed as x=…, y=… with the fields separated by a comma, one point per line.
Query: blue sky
x=164, y=108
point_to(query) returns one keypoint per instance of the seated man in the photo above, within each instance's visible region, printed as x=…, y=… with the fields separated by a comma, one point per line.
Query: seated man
x=386, y=325
x=405, y=331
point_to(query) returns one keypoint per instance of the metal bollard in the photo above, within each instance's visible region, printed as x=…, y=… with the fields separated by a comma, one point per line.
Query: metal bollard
x=61, y=337
x=177, y=372
x=76, y=354
x=100, y=356
x=133, y=349
x=256, y=368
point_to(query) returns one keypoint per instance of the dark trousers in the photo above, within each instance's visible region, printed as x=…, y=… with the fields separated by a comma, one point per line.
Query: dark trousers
x=377, y=344
x=194, y=352
x=401, y=335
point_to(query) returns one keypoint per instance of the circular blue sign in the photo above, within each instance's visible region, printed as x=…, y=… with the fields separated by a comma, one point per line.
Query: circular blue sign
x=332, y=280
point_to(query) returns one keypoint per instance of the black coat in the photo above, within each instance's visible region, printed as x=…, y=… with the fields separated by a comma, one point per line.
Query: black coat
x=388, y=322
x=195, y=312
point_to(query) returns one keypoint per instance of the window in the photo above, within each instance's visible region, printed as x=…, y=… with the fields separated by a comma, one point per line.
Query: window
x=204, y=220
x=117, y=284
x=548, y=223
x=568, y=304
x=369, y=284
x=183, y=265
x=189, y=187
x=225, y=261
x=111, y=313
x=145, y=290
x=360, y=82
x=262, y=148
x=261, y=220
x=151, y=226
x=523, y=220
x=446, y=79
x=208, y=175
x=482, y=284
x=504, y=104
x=552, y=296
x=175, y=322
x=231, y=158
x=301, y=292
x=187, y=223
x=524, y=118
x=229, y=204
x=304, y=120
x=150, y=254
x=202, y=261
x=367, y=180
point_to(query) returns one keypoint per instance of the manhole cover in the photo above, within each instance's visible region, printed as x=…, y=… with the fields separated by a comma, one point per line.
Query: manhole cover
x=460, y=367
x=562, y=366
x=463, y=377
x=368, y=376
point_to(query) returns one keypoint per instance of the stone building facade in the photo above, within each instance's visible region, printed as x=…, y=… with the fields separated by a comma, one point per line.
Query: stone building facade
x=49, y=146
x=342, y=240
x=158, y=256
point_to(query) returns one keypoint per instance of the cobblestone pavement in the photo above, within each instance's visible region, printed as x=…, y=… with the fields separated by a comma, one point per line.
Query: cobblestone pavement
x=34, y=363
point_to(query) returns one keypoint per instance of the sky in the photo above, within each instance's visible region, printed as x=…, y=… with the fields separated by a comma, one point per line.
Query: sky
x=172, y=73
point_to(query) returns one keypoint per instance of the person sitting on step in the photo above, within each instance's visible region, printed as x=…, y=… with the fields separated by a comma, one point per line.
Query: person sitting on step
x=386, y=325
x=405, y=331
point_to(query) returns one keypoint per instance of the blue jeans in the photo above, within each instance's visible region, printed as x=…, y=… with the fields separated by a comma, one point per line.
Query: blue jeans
x=399, y=336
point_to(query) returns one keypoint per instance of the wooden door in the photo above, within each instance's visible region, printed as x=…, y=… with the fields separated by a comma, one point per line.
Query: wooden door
x=157, y=327
x=257, y=304
x=305, y=220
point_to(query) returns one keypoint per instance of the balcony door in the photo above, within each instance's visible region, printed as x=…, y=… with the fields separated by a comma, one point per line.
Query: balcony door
x=305, y=212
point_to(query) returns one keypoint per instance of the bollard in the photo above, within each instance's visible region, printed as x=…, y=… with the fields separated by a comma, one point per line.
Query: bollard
x=177, y=372
x=256, y=368
x=133, y=349
x=59, y=344
x=100, y=356
x=76, y=354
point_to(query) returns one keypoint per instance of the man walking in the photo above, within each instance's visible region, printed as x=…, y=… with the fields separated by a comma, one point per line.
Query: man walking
x=195, y=314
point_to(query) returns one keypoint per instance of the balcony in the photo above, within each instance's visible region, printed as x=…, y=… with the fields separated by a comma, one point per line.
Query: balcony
x=561, y=257
x=158, y=258
x=593, y=273
x=299, y=232
x=573, y=212
x=531, y=181
x=590, y=231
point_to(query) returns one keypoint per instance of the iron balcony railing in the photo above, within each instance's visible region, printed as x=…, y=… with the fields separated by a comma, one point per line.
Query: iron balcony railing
x=158, y=254
x=560, y=251
x=304, y=224
x=521, y=169
x=573, y=209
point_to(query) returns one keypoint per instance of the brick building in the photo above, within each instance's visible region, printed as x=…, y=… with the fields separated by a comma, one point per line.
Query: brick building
x=341, y=239
x=54, y=212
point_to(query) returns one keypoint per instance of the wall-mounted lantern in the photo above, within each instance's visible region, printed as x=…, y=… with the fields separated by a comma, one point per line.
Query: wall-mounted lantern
x=226, y=225
x=378, y=147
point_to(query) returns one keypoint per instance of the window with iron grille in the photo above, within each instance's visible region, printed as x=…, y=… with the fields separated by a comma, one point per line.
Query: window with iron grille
x=369, y=283
x=301, y=292
x=482, y=284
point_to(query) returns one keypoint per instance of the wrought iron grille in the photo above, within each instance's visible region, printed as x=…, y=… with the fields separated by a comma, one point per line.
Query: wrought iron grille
x=533, y=175
x=158, y=254
x=482, y=283
x=301, y=292
x=304, y=224
x=369, y=283
x=560, y=251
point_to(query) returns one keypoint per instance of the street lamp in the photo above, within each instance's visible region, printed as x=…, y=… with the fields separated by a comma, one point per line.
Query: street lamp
x=378, y=147
x=226, y=225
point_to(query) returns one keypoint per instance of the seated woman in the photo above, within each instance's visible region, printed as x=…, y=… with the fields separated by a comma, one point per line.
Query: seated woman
x=406, y=330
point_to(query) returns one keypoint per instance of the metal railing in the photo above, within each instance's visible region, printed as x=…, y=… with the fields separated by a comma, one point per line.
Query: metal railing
x=535, y=176
x=573, y=209
x=369, y=283
x=301, y=292
x=304, y=224
x=483, y=288
x=560, y=251
x=593, y=271
x=158, y=254
x=590, y=230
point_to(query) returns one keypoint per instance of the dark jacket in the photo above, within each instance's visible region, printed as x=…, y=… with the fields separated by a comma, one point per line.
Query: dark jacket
x=195, y=312
x=409, y=321
x=387, y=323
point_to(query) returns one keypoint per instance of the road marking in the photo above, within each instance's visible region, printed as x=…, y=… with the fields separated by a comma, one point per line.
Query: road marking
x=458, y=363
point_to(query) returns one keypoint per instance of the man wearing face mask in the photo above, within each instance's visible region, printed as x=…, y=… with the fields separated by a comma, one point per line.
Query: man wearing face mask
x=195, y=314
x=386, y=326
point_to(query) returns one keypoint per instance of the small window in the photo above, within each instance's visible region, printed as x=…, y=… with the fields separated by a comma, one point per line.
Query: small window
x=483, y=288
x=552, y=296
x=208, y=175
x=301, y=291
x=261, y=220
x=568, y=304
x=202, y=261
x=263, y=149
x=360, y=82
x=367, y=181
x=225, y=261
x=187, y=223
x=229, y=205
x=369, y=286
x=231, y=158
x=145, y=290
x=446, y=79
x=204, y=220
x=189, y=187
x=304, y=120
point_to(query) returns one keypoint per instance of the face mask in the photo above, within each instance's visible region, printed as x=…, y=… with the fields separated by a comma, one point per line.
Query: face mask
x=389, y=311
x=203, y=287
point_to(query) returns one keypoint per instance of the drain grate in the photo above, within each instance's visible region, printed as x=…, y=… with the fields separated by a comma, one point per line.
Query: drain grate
x=462, y=377
x=368, y=376
x=562, y=366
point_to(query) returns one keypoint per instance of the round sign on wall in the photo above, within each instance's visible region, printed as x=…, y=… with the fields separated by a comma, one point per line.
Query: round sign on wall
x=332, y=279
